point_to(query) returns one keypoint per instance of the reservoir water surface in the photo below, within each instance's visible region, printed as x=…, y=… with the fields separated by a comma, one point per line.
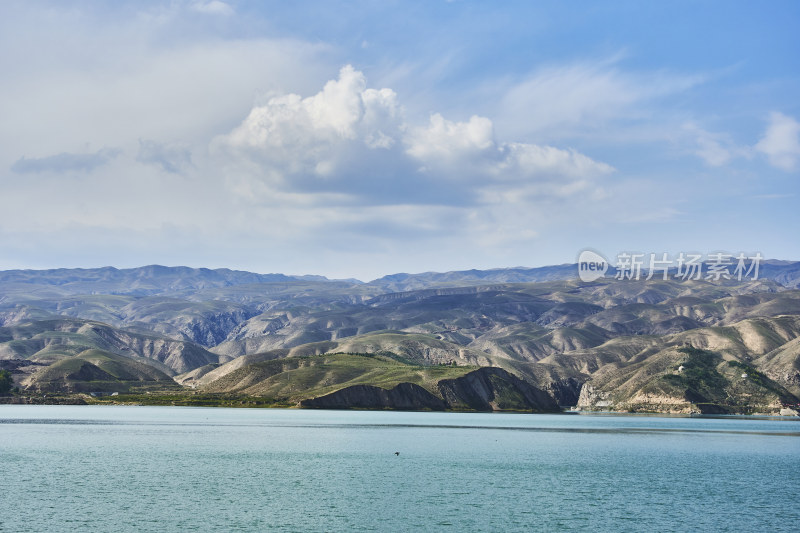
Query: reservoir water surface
x=135, y=469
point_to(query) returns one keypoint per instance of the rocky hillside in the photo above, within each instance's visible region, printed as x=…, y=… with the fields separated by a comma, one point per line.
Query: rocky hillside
x=685, y=380
x=339, y=381
x=610, y=343
x=96, y=371
x=55, y=338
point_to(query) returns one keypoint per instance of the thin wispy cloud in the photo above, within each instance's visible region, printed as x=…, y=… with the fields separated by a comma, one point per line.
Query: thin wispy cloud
x=715, y=149
x=214, y=7
x=779, y=144
x=64, y=162
x=583, y=96
x=170, y=158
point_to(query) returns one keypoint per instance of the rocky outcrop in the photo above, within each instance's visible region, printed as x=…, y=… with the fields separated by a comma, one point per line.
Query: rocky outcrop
x=494, y=389
x=212, y=329
x=485, y=389
x=591, y=397
x=566, y=391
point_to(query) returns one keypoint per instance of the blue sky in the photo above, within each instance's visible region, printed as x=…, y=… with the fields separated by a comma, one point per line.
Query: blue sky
x=357, y=139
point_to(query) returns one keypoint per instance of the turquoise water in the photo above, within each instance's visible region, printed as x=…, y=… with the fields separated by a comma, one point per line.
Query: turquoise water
x=132, y=469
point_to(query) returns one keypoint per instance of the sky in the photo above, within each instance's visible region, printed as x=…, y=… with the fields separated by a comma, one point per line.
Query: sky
x=359, y=139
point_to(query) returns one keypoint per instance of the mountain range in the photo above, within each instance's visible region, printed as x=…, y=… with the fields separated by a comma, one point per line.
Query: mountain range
x=513, y=338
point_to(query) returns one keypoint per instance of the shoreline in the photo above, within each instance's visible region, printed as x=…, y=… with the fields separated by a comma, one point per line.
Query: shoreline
x=263, y=403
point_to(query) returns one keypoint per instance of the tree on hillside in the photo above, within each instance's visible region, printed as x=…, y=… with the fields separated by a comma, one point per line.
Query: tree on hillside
x=6, y=381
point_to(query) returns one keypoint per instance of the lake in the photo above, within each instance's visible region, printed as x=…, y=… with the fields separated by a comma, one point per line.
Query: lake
x=135, y=469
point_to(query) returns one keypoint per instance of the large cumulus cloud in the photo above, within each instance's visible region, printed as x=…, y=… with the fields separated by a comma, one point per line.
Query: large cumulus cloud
x=356, y=140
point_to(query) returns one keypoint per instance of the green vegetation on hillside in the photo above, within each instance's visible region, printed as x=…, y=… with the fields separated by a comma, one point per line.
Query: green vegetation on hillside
x=760, y=380
x=699, y=380
x=297, y=378
x=715, y=386
x=189, y=399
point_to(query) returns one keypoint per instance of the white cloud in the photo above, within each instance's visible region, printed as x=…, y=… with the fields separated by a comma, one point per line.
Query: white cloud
x=348, y=136
x=781, y=142
x=214, y=7
x=530, y=159
x=295, y=135
x=459, y=149
x=443, y=139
